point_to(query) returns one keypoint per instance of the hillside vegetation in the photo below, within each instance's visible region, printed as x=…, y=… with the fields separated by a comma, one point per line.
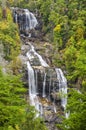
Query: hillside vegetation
x=64, y=23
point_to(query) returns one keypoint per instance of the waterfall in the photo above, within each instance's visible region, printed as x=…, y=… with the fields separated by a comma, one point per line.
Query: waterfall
x=36, y=80
x=32, y=53
x=62, y=87
x=31, y=79
x=33, y=82
x=44, y=85
x=49, y=86
x=16, y=20
x=32, y=90
x=25, y=19
x=30, y=20
x=54, y=106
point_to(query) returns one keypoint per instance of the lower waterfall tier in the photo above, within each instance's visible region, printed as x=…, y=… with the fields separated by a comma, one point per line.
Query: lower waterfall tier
x=47, y=85
x=45, y=82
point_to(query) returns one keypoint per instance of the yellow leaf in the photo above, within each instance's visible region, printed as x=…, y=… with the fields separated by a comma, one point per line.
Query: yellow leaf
x=57, y=28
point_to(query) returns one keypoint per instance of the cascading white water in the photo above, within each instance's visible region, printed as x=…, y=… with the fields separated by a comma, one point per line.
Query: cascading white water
x=54, y=106
x=33, y=85
x=25, y=19
x=31, y=53
x=32, y=90
x=16, y=20
x=62, y=87
x=50, y=86
x=44, y=85
x=36, y=80
x=31, y=80
x=31, y=20
x=62, y=80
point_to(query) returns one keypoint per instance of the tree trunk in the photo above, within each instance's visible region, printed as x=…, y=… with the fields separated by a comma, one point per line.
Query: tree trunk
x=4, y=12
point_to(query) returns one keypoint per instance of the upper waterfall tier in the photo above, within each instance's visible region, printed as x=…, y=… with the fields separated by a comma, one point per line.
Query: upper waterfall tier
x=25, y=20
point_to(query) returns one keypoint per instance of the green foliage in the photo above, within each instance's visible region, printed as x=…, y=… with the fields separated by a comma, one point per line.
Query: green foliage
x=12, y=103
x=15, y=65
x=29, y=4
x=45, y=6
x=32, y=123
x=77, y=108
x=9, y=37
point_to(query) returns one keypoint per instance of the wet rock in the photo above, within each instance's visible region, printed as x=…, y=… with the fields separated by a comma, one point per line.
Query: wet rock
x=51, y=119
x=24, y=49
x=56, y=96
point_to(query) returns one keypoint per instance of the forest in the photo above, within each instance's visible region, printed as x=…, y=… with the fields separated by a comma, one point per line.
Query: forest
x=64, y=27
